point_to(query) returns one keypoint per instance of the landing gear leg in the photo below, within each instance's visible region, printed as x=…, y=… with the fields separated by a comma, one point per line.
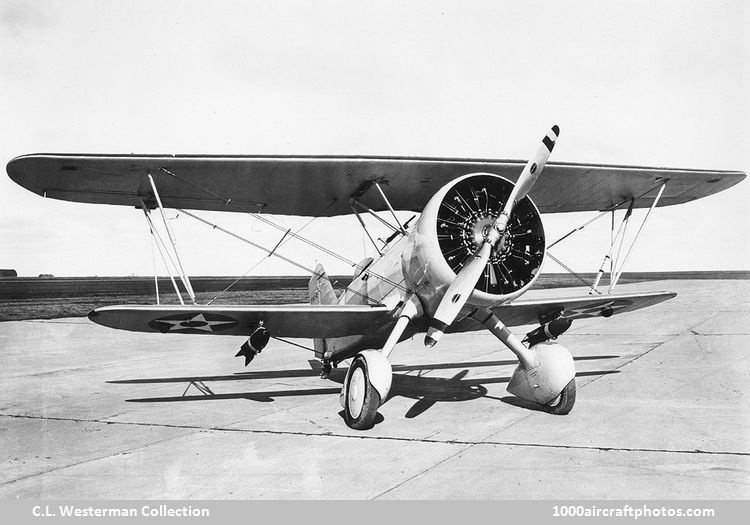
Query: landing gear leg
x=369, y=378
x=545, y=374
x=326, y=371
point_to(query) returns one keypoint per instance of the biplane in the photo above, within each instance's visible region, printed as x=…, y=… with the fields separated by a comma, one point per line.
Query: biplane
x=476, y=247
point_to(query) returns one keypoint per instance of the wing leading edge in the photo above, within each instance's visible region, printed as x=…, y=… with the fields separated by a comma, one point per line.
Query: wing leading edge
x=282, y=184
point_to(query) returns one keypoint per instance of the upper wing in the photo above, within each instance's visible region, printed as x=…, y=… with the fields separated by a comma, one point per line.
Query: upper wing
x=322, y=186
x=289, y=320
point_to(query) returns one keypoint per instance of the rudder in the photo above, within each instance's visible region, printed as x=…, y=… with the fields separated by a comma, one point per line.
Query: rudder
x=321, y=292
x=320, y=288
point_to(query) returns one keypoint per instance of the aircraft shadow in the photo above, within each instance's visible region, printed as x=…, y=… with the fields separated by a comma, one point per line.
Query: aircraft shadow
x=425, y=390
x=314, y=371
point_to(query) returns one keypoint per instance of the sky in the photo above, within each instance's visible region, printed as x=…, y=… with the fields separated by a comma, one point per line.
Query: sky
x=644, y=83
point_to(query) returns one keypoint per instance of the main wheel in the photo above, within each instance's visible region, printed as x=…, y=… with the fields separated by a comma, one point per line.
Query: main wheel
x=362, y=400
x=563, y=403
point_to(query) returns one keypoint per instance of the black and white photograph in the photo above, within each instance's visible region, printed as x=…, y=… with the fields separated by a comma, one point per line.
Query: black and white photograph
x=483, y=250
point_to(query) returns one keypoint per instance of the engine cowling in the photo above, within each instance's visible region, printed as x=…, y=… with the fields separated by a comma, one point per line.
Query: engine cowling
x=451, y=229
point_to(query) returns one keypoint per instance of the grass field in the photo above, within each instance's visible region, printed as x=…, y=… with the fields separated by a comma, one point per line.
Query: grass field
x=49, y=298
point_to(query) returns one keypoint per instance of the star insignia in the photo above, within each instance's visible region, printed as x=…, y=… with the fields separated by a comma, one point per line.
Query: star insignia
x=594, y=310
x=198, y=323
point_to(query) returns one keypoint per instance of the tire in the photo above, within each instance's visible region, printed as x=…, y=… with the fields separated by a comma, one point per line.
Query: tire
x=362, y=400
x=563, y=403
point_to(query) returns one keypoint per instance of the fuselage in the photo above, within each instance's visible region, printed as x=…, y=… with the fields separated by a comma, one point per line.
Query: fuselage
x=381, y=281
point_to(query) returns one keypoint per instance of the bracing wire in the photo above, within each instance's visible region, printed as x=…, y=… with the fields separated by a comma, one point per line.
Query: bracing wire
x=276, y=254
x=572, y=272
x=282, y=243
x=287, y=341
x=660, y=182
x=605, y=212
x=261, y=218
x=258, y=216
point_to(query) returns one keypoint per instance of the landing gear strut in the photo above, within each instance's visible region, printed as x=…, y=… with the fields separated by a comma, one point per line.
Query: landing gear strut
x=326, y=370
x=370, y=375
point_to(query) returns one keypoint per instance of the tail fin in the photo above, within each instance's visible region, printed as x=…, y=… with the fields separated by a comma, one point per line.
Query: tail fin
x=321, y=292
x=320, y=289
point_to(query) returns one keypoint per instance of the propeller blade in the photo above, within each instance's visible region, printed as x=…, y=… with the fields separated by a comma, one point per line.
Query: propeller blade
x=534, y=167
x=457, y=294
x=460, y=289
x=528, y=178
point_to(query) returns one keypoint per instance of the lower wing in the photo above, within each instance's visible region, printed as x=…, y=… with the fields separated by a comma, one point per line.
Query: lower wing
x=528, y=311
x=324, y=321
x=288, y=320
x=539, y=304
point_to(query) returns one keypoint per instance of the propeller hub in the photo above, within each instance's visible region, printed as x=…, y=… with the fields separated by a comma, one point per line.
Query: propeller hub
x=477, y=233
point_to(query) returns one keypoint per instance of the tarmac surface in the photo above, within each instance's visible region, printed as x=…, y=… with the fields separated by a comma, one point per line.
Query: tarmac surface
x=88, y=412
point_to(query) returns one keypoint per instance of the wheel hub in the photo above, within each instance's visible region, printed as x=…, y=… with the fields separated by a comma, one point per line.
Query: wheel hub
x=356, y=393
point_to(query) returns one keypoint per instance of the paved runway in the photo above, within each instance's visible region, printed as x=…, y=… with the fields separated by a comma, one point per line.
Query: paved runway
x=87, y=412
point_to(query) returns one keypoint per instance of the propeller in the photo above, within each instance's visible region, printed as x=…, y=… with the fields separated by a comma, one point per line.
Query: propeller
x=460, y=289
